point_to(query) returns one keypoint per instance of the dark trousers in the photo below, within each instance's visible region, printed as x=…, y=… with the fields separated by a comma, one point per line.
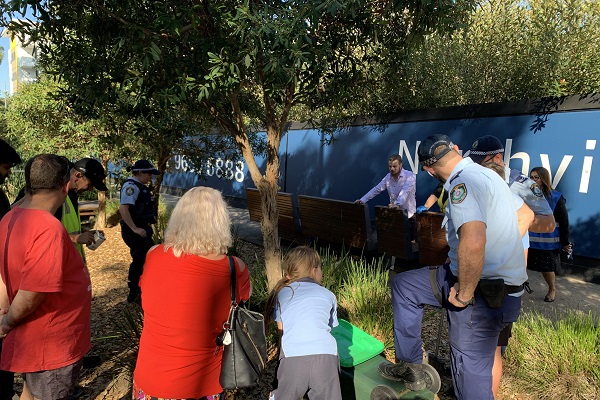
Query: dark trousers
x=138, y=248
x=7, y=379
x=473, y=330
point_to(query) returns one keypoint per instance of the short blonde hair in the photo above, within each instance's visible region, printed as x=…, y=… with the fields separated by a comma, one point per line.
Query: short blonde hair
x=199, y=224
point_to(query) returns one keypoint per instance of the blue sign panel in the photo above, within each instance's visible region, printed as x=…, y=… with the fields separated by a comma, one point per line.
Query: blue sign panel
x=565, y=143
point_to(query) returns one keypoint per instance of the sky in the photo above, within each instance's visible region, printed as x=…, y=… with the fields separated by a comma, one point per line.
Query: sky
x=4, y=78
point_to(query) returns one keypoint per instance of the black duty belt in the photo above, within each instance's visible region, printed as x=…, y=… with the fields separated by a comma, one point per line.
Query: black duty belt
x=510, y=289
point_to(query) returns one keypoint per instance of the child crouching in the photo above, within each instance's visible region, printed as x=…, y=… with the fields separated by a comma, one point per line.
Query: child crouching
x=305, y=313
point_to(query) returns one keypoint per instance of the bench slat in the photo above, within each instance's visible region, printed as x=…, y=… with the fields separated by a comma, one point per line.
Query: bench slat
x=288, y=223
x=433, y=247
x=336, y=221
x=393, y=233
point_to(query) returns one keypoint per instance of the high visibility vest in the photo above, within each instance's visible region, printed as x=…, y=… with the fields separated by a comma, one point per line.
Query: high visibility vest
x=71, y=222
x=442, y=203
x=547, y=241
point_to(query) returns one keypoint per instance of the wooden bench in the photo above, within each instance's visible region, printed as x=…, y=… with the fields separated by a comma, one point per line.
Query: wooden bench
x=336, y=221
x=393, y=233
x=433, y=247
x=288, y=222
x=88, y=208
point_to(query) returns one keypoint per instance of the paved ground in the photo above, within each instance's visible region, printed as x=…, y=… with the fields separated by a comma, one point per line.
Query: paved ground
x=575, y=291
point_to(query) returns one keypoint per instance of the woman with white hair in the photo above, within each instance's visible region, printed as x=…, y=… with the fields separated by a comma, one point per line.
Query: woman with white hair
x=186, y=301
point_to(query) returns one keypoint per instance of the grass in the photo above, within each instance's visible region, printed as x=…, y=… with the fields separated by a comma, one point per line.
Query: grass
x=164, y=213
x=554, y=359
x=363, y=294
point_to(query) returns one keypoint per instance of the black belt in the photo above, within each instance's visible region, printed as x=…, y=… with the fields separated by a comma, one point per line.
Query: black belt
x=510, y=289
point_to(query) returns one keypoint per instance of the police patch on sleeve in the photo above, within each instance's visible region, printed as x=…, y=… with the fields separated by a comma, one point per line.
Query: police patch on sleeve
x=458, y=193
x=129, y=190
x=521, y=178
x=535, y=189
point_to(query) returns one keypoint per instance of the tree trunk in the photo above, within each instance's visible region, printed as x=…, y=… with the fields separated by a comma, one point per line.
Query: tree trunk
x=267, y=183
x=101, y=218
x=268, y=226
x=268, y=188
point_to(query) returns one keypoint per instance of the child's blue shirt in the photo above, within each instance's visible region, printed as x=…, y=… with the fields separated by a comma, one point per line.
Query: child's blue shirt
x=307, y=311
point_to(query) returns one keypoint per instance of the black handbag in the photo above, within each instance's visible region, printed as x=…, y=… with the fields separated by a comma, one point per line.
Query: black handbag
x=244, y=344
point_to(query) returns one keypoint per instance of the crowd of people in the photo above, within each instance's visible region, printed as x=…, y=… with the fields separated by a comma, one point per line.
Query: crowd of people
x=498, y=222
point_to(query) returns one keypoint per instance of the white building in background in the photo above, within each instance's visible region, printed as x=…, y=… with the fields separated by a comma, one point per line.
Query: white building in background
x=22, y=64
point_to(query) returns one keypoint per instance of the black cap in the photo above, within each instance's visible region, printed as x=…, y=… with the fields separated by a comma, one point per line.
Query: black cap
x=485, y=146
x=92, y=170
x=8, y=155
x=428, y=147
x=145, y=166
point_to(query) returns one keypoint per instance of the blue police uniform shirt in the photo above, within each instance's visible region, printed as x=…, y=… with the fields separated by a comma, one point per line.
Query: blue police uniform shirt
x=129, y=192
x=530, y=192
x=479, y=194
x=308, y=312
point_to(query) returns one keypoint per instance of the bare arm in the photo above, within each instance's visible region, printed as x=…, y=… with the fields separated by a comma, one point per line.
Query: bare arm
x=126, y=215
x=542, y=224
x=430, y=201
x=525, y=217
x=24, y=303
x=471, y=253
x=3, y=295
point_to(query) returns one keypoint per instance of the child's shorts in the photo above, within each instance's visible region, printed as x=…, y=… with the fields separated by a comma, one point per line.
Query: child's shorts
x=318, y=374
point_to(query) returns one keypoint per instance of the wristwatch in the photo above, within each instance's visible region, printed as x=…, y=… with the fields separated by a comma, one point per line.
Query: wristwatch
x=465, y=303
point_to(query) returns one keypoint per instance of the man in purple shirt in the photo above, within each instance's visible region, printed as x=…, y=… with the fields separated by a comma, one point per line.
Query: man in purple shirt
x=400, y=184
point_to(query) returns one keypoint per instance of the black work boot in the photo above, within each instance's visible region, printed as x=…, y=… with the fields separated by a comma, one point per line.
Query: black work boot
x=411, y=375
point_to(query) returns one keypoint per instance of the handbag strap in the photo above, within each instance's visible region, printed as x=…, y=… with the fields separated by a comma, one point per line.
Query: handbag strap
x=232, y=280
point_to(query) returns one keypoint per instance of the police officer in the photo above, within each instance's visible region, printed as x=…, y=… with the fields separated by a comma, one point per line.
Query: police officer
x=485, y=251
x=490, y=149
x=138, y=212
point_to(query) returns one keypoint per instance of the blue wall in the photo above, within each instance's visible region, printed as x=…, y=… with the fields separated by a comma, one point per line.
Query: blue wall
x=564, y=142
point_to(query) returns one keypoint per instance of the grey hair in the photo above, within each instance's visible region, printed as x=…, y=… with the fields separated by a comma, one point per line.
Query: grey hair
x=199, y=224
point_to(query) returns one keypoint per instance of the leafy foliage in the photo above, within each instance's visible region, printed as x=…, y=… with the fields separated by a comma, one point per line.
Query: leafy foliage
x=39, y=123
x=232, y=64
x=511, y=50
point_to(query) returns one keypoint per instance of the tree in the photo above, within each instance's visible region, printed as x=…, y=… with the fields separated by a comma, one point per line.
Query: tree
x=237, y=62
x=511, y=50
